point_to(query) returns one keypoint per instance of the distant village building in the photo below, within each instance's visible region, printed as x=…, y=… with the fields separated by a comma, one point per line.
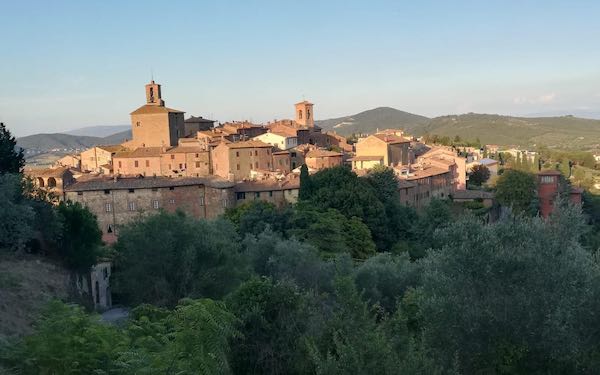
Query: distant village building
x=98, y=157
x=320, y=159
x=381, y=149
x=551, y=184
x=193, y=125
x=69, y=161
x=279, y=140
x=235, y=161
x=53, y=180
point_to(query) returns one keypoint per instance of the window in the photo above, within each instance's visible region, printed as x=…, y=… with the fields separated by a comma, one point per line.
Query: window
x=80, y=193
x=255, y=152
x=137, y=123
x=197, y=164
x=270, y=194
x=109, y=228
x=106, y=191
x=155, y=204
x=201, y=202
x=171, y=187
x=180, y=166
x=119, y=164
x=225, y=202
x=108, y=207
x=154, y=189
x=308, y=114
x=240, y=195
x=237, y=154
x=300, y=114
x=197, y=155
x=238, y=167
x=131, y=190
x=147, y=163
x=293, y=154
x=257, y=194
x=131, y=206
x=171, y=201
x=547, y=179
x=135, y=163
x=172, y=157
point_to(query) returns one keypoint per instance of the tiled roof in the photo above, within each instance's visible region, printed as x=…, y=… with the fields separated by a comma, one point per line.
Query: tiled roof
x=428, y=171
x=321, y=154
x=248, y=144
x=152, y=109
x=112, y=148
x=391, y=138
x=103, y=183
x=140, y=152
x=185, y=150
x=254, y=186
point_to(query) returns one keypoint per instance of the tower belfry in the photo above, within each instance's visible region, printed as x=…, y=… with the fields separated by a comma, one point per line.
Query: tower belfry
x=153, y=96
x=304, y=114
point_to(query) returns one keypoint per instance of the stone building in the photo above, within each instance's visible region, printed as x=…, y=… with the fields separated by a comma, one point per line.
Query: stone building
x=69, y=161
x=282, y=161
x=187, y=161
x=446, y=157
x=118, y=201
x=320, y=159
x=418, y=186
x=196, y=124
x=551, y=184
x=93, y=159
x=153, y=124
x=236, y=161
x=276, y=192
x=145, y=161
x=279, y=140
x=52, y=180
x=381, y=149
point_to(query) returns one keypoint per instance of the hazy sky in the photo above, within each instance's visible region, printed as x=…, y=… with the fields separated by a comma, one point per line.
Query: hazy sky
x=68, y=64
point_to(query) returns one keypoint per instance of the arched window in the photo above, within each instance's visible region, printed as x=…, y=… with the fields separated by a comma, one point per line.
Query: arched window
x=300, y=115
x=51, y=182
x=308, y=114
x=40, y=182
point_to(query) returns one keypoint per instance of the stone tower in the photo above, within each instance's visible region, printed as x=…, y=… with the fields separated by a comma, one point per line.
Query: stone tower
x=304, y=114
x=153, y=96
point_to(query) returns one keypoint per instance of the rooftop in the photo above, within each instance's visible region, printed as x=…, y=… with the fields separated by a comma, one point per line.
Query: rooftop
x=391, y=138
x=103, y=183
x=185, y=150
x=199, y=119
x=140, y=152
x=321, y=154
x=248, y=144
x=153, y=109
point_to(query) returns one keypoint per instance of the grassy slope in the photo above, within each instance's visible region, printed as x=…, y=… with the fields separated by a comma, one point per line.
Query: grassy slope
x=26, y=284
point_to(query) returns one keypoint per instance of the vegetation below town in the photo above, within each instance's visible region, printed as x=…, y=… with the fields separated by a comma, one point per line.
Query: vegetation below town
x=346, y=281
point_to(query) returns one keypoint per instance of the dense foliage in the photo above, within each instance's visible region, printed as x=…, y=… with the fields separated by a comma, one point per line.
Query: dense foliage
x=319, y=288
x=11, y=159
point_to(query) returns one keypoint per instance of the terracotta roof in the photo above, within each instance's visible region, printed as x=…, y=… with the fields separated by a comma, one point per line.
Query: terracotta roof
x=472, y=194
x=254, y=186
x=152, y=109
x=321, y=154
x=102, y=183
x=112, y=148
x=428, y=171
x=185, y=150
x=248, y=144
x=289, y=131
x=391, y=138
x=140, y=152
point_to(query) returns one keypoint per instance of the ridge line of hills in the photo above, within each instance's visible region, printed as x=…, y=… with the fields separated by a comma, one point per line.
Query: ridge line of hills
x=566, y=132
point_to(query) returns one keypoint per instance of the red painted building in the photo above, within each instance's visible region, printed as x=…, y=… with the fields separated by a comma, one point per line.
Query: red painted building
x=550, y=184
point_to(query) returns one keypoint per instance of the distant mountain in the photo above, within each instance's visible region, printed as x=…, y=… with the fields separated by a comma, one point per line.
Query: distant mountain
x=373, y=119
x=99, y=131
x=39, y=143
x=562, y=132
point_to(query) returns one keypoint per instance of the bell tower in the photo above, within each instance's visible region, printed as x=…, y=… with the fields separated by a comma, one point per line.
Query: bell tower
x=304, y=114
x=153, y=94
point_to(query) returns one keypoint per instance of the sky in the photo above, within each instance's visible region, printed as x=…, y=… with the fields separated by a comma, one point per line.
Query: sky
x=71, y=64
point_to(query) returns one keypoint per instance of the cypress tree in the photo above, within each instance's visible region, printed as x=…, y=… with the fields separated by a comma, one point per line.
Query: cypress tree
x=11, y=161
x=305, y=184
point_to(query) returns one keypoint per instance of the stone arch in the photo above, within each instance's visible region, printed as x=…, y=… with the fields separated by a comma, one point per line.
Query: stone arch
x=40, y=182
x=51, y=182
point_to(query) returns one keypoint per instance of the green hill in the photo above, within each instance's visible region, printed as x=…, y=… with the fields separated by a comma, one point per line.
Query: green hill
x=67, y=142
x=371, y=120
x=561, y=132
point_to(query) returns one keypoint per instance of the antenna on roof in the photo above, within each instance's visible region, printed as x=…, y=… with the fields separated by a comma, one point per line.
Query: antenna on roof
x=151, y=74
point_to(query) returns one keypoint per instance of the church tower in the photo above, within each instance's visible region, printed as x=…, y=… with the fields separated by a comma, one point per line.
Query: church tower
x=304, y=114
x=153, y=94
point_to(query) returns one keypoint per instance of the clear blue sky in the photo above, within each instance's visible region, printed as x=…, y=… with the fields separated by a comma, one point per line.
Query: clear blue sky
x=68, y=64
